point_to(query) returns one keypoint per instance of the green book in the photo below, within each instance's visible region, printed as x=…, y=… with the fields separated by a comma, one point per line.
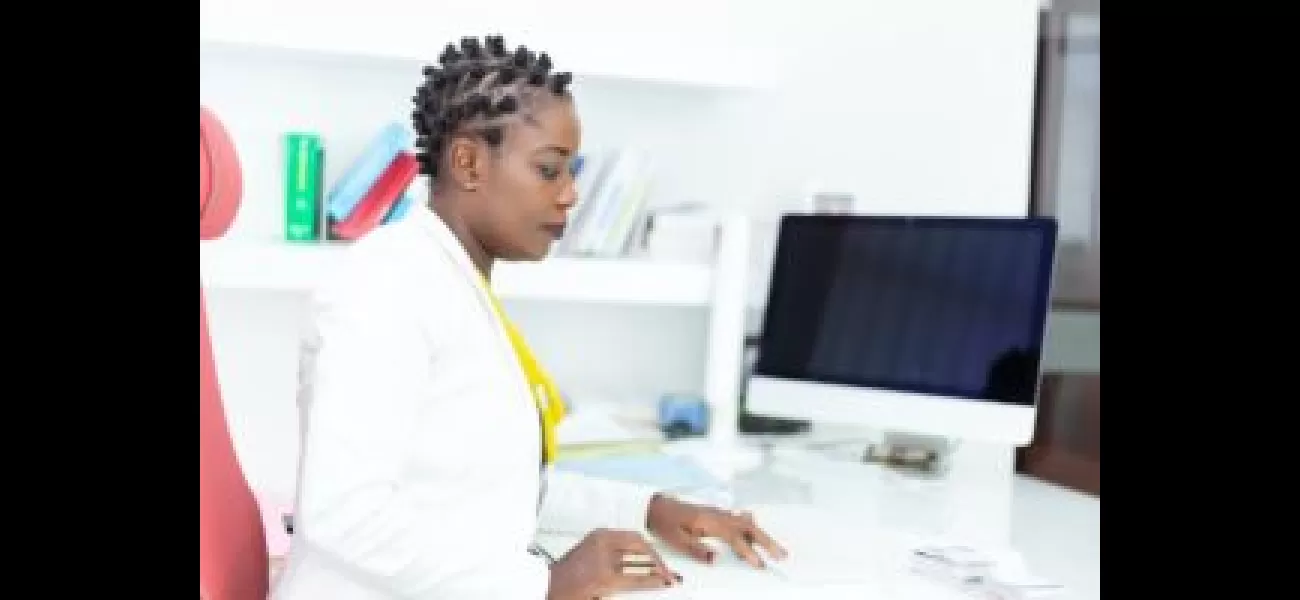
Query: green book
x=304, y=157
x=318, y=167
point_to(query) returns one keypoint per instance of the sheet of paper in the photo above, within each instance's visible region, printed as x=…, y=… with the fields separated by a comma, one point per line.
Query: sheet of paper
x=589, y=426
x=667, y=472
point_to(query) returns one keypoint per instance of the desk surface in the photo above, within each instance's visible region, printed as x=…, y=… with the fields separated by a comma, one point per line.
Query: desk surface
x=848, y=525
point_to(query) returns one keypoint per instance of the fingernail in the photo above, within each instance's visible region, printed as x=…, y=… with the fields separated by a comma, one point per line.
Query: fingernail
x=678, y=576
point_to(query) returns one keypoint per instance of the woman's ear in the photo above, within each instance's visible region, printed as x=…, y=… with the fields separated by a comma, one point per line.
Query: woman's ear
x=465, y=159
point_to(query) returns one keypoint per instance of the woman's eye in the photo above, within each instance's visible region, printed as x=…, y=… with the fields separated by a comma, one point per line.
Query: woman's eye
x=548, y=171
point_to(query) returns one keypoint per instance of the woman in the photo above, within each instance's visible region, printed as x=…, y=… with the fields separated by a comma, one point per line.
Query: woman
x=427, y=424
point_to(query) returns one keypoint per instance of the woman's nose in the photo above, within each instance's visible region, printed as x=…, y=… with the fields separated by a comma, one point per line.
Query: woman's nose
x=569, y=196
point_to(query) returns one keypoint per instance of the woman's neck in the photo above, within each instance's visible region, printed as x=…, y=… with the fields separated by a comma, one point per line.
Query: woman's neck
x=478, y=254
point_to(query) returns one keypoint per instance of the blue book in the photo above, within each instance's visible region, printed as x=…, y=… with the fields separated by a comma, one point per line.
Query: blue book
x=399, y=209
x=365, y=171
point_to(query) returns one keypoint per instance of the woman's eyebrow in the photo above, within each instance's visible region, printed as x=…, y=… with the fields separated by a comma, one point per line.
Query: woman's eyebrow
x=561, y=150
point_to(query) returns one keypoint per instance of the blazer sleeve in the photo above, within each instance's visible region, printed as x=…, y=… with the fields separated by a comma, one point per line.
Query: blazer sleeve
x=576, y=503
x=370, y=366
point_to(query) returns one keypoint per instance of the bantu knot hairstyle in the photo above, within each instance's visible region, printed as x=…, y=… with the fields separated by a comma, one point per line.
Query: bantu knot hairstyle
x=473, y=89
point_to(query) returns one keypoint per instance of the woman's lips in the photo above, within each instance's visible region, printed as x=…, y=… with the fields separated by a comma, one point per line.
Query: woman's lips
x=555, y=229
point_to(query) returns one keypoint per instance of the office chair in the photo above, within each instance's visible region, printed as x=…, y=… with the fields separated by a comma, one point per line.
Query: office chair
x=233, y=561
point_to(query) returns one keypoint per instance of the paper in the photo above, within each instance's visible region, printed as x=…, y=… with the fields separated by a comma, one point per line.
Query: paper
x=595, y=427
x=588, y=433
x=996, y=573
x=666, y=472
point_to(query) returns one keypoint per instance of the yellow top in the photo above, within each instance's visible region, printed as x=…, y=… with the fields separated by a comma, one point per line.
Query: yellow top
x=546, y=395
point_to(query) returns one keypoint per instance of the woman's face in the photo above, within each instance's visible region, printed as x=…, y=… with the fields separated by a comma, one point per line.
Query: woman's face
x=527, y=185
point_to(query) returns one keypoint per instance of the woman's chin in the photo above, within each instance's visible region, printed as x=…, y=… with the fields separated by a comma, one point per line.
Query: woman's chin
x=533, y=254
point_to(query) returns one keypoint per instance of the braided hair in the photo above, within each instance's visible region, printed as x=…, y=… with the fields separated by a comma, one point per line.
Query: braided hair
x=475, y=88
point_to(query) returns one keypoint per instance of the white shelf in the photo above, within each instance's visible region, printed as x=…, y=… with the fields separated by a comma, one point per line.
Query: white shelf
x=297, y=267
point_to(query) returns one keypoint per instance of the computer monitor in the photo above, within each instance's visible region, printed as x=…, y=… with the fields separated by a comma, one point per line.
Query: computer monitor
x=923, y=325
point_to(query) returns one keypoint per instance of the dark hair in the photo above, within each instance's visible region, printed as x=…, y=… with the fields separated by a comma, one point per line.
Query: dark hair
x=476, y=86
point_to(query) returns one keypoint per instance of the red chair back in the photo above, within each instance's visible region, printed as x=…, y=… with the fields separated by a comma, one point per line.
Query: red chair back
x=233, y=562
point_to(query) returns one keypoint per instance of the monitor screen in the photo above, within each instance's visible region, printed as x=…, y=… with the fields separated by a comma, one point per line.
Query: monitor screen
x=949, y=306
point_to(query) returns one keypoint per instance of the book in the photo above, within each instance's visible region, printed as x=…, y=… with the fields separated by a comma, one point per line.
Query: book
x=400, y=208
x=322, y=217
x=302, y=192
x=613, y=195
x=592, y=432
x=374, y=206
x=365, y=171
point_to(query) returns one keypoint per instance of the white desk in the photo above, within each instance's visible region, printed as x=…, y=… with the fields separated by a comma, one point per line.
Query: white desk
x=847, y=526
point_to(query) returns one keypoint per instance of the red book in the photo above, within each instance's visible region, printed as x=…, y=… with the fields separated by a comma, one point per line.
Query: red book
x=386, y=192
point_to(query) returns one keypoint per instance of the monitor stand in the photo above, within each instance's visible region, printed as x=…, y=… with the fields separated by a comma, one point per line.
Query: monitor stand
x=926, y=454
x=755, y=424
x=759, y=424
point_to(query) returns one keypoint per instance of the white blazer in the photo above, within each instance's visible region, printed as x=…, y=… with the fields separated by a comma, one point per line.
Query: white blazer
x=419, y=474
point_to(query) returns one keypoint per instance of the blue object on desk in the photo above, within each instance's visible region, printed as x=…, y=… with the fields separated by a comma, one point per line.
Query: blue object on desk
x=682, y=415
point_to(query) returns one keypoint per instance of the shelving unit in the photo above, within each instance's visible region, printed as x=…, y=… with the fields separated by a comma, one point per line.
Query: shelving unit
x=718, y=287
x=298, y=267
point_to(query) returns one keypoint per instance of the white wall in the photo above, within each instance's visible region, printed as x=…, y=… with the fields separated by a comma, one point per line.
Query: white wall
x=915, y=106
x=1079, y=171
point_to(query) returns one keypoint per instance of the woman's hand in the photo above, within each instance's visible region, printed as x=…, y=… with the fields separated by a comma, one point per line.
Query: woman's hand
x=594, y=568
x=682, y=525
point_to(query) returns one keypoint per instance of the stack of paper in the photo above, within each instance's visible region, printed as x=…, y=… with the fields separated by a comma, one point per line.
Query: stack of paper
x=951, y=564
x=994, y=574
x=590, y=433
